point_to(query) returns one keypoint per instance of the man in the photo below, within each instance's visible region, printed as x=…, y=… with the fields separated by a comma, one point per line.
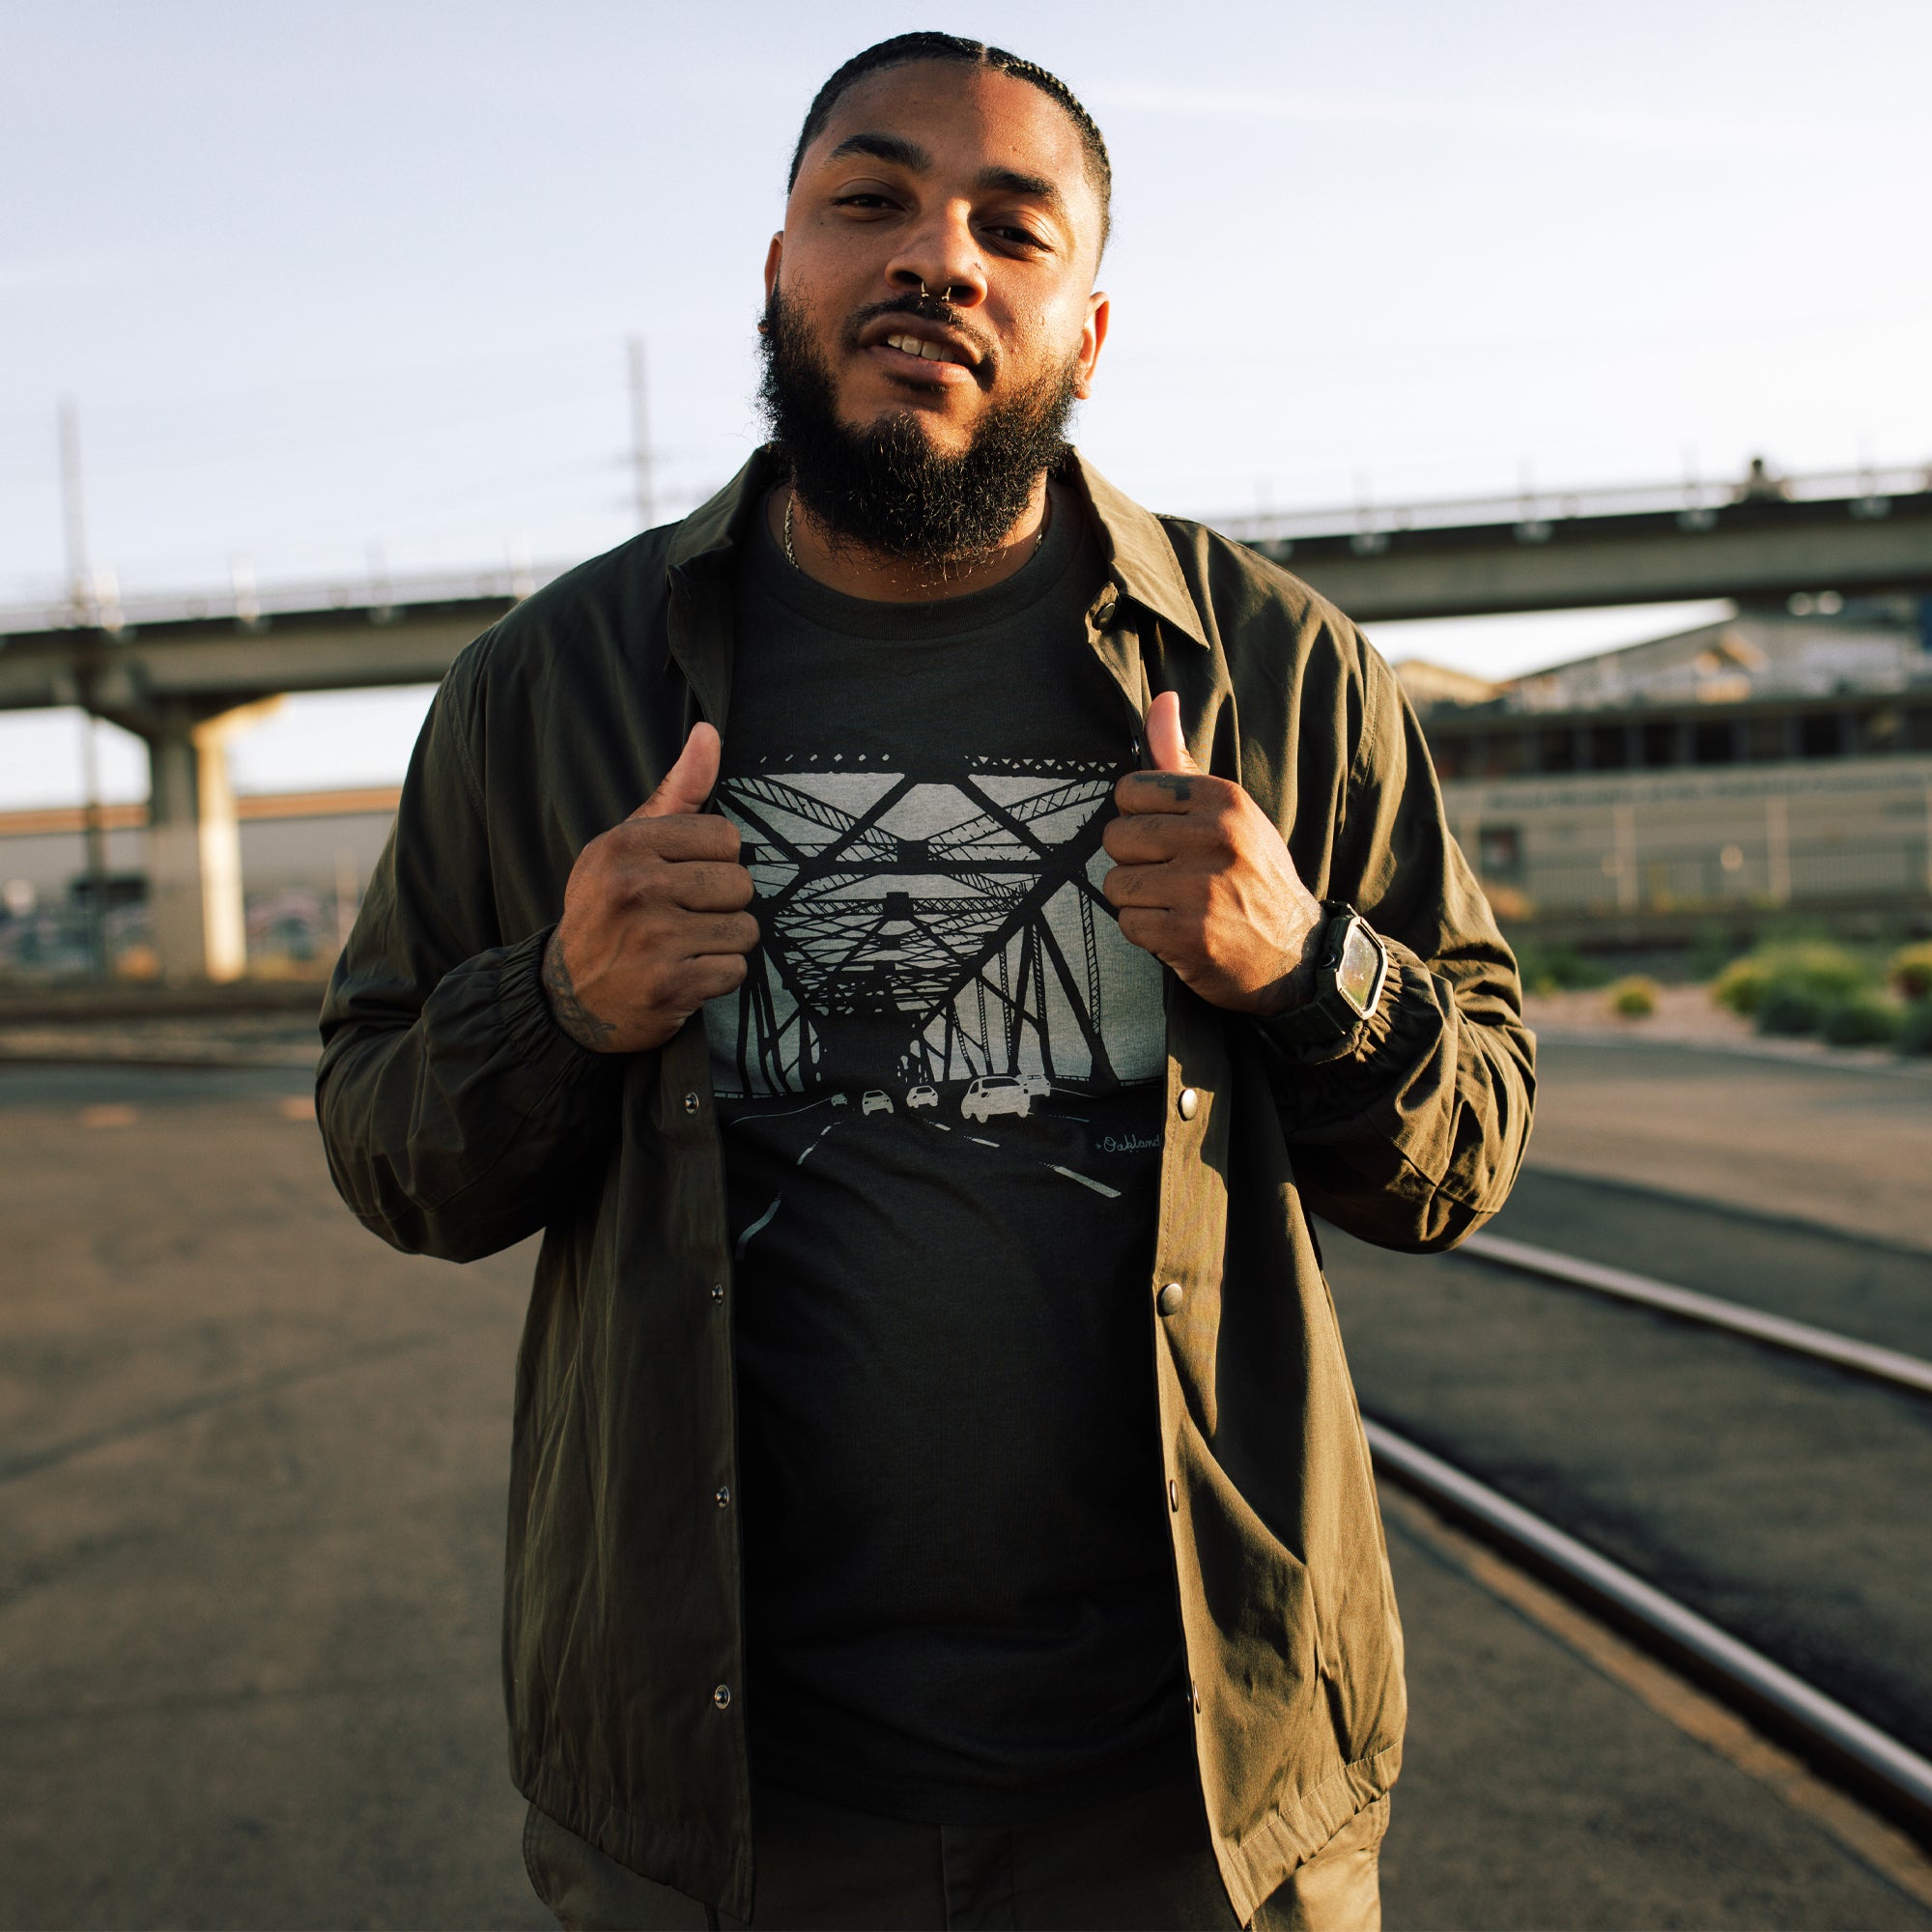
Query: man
x=937, y=1495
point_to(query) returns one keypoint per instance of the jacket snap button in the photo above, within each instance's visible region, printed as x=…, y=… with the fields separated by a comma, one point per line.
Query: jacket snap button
x=723, y=1495
x=1189, y=1103
x=1173, y=1496
x=1171, y=1298
x=722, y=1696
x=1194, y=1698
x=718, y=1291
x=691, y=1103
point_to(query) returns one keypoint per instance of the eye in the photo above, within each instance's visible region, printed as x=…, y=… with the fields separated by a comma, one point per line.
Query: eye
x=867, y=201
x=1018, y=237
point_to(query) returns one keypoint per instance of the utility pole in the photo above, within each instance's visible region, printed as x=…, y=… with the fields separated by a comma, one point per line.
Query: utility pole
x=80, y=590
x=73, y=517
x=640, y=437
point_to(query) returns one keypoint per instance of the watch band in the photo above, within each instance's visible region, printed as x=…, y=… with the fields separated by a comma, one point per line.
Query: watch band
x=1329, y=1013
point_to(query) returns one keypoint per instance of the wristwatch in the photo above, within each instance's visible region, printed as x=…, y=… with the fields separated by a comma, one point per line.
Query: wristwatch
x=1349, y=975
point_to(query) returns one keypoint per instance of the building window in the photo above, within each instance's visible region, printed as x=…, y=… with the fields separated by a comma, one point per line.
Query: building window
x=1502, y=754
x=1768, y=739
x=1609, y=748
x=1711, y=743
x=1659, y=744
x=1499, y=851
x=1818, y=735
x=1919, y=729
x=1557, y=750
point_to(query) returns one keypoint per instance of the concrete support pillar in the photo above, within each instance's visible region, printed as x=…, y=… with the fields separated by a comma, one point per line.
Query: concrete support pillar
x=194, y=844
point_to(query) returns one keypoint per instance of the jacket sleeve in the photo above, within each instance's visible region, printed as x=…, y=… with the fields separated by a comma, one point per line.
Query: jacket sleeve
x=456, y=1113
x=1408, y=1133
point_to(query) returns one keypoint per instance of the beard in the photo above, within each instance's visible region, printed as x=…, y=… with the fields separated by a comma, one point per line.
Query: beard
x=884, y=487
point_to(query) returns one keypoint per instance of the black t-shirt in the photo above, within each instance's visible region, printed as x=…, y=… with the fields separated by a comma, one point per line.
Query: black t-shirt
x=941, y=1096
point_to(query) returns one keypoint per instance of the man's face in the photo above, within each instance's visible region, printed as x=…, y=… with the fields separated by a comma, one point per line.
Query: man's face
x=971, y=183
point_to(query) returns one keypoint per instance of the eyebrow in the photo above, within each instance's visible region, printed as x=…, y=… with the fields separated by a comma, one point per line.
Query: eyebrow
x=909, y=154
x=884, y=148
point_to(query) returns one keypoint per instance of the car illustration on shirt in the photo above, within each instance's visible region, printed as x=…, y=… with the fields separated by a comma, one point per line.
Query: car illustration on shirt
x=921, y=1096
x=876, y=1102
x=996, y=1094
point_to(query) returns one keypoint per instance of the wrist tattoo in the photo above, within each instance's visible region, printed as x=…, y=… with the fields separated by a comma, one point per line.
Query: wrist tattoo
x=566, y=1006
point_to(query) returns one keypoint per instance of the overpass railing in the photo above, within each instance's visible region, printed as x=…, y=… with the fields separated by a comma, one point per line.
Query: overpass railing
x=1693, y=503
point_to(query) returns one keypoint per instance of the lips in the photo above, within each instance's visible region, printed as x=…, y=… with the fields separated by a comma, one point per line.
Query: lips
x=926, y=340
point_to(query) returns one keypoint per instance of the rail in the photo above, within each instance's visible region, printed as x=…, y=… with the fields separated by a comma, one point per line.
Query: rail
x=1889, y=1770
x=1868, y=491
x=1822, y=1345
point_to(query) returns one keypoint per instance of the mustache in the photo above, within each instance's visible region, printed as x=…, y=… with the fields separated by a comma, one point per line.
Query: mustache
x=929, y=308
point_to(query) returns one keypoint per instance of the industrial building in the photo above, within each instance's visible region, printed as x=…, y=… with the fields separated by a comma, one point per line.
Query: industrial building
x=1775, y=764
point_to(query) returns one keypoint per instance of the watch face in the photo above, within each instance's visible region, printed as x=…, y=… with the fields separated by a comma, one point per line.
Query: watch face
x=1358, y=968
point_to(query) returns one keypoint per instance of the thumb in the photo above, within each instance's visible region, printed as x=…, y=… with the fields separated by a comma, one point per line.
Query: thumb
x=1166, y=746
x=688, y=782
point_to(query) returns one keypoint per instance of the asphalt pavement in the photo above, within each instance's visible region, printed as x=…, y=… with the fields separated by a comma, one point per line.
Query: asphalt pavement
x=1842, y=1147
x=252, y=1471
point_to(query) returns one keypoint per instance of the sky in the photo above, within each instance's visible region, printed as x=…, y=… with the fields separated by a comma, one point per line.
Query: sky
x=340, y=291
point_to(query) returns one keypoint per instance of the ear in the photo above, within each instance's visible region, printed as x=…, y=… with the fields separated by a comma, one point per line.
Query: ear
x=774, y=255
x=1092, y=339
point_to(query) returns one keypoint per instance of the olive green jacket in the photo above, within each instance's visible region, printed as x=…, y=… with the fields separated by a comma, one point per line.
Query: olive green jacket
x=458, y=1118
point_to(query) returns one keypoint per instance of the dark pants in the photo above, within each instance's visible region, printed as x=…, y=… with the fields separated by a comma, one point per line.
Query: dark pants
x=1136, y=1862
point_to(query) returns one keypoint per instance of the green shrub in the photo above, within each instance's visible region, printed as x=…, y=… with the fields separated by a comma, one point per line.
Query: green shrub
x=1712, y=950
x=1910, y=971
x=1789, y=1007
x=1914, y=1032
x=1742, y=986
x=1633, y=998
x=1865, y=1019
x=1557, y=969
x=1828, y=973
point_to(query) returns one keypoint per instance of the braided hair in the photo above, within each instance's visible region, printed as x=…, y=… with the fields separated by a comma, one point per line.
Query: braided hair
x=904, y=49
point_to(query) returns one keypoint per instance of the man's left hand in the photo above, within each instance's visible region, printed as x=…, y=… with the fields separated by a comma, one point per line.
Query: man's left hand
x=1203, y=881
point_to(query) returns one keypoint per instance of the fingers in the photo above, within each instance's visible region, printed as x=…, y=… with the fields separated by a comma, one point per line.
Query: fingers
x=1157, y=838
x=731, y=932
x=708, y=977
x=1153, y=930
x=1159, y=791
x=699, y=887
x=1167, y=747
x=679, y=836
x=1147, y=885
x=691, y=781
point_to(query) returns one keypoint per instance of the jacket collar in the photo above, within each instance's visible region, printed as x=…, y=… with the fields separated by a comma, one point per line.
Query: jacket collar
x=1140, y=558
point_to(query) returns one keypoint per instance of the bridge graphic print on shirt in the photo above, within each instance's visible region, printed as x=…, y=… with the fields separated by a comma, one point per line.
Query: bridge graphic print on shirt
x=933, y=935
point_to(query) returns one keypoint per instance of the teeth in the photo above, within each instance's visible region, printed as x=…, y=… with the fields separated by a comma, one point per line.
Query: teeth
x=915, y=345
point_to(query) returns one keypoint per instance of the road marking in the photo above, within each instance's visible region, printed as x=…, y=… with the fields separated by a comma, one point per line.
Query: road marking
x=1098, y=1186
x=978, y=1141
x=941, y=1125
x=788, y=1113
x=1872, y=1841
x=822, y=1132
x=764, y=1221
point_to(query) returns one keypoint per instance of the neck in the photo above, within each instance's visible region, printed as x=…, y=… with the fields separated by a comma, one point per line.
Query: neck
x=857, y=572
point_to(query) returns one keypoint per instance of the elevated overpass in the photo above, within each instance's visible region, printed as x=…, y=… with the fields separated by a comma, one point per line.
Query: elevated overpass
x=186, y=673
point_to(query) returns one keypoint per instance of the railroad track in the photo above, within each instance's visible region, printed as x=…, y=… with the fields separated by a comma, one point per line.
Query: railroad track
x=1890, y=1772
x=1714, y=1311
x=1737, y=1490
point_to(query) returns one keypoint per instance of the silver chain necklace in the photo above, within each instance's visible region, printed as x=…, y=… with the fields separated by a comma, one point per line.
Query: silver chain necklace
x=791, y=556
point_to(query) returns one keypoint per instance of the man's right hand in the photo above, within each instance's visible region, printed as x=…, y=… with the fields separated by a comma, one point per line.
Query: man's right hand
x=654, y=921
